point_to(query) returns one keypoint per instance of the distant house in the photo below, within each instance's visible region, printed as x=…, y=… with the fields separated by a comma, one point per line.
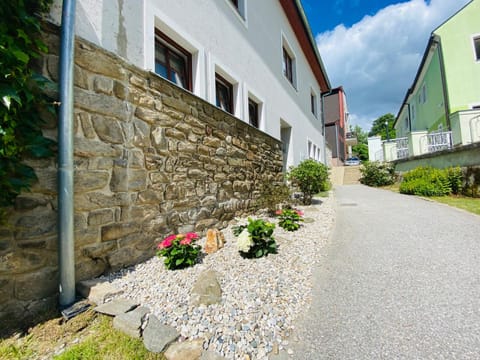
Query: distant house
x=336, y=125
x=442, y=107
x=254, y=59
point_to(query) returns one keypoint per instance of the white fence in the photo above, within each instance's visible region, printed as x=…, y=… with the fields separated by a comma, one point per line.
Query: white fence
x=440, y=140
x=402, y=147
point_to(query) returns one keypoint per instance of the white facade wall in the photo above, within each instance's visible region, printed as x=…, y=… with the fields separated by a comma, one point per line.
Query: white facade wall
x=246, y=50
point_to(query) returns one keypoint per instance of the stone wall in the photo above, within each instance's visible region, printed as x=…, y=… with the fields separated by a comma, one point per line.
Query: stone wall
x=150, y=160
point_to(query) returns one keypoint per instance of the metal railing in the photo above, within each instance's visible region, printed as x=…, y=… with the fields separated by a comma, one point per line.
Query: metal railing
x=402, y=147
x=440, y=140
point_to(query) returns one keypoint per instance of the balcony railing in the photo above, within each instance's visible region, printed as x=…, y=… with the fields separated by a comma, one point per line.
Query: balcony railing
x=439, y=141
x=402, y=147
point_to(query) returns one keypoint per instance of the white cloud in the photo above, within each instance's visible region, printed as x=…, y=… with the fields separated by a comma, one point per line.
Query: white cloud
x=377, y=58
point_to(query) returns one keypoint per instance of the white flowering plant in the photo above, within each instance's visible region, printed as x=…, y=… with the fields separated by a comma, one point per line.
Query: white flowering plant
x=255, y=239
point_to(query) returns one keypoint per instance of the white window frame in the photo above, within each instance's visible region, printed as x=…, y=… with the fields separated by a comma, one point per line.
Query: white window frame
x=476, y=57
x=289, y=49
x=160, y=21
x=251, y=95
x=313, y=94
x=241, y=12
x=229, y=76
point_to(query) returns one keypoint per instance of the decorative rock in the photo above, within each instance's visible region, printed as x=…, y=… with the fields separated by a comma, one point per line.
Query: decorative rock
x=131, y=322
x=98, y=291
x=215, y=241
x=207, y=290
x=157, y=336
x=187, y=350
x=116, y=307
x=308, y=220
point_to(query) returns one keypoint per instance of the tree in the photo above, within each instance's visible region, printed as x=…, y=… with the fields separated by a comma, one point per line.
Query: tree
x=379, y=129
x=361, y=149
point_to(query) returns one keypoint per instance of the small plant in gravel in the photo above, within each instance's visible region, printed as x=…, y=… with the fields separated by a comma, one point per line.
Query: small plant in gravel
x=179, y=251
x=255, y=239
x=289, y=219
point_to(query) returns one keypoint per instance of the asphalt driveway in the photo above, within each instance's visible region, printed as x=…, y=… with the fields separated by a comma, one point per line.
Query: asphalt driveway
x=400, y=280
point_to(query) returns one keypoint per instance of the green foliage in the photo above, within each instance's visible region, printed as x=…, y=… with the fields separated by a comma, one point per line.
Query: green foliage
x=256, y=239
x=428, y=181
x=361, y=149
x=310, y=177
x=22, y=98
x=379, y=129
x=377, y=174
x=289, y=219
x=455, y=179
x=271, y=195
x=179, y=251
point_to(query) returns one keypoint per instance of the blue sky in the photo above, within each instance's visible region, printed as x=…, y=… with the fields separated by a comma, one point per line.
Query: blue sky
x=374, y=47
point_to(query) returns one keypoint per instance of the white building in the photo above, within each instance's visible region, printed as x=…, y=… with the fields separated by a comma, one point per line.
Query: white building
x=254, y=59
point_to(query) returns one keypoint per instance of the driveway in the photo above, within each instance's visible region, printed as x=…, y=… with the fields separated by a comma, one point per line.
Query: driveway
x=400, y=280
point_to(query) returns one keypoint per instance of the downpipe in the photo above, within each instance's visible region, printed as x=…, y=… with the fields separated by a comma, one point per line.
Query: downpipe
x=66, y=256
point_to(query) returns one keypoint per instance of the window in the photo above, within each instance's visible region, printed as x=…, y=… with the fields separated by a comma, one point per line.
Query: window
x=253, y=113
x=476, y=45
x=172, y=62
x=313, y=103
x=287, y=65
x=240, y=6
x=224, y=94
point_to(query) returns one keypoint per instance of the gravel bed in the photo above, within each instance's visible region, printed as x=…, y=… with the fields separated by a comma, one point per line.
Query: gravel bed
x=261, y=297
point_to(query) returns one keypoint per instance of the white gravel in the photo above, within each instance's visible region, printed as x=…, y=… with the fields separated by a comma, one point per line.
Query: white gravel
x=261, y=297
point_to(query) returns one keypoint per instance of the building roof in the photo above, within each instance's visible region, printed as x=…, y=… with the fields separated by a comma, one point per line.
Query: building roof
x=298, y=21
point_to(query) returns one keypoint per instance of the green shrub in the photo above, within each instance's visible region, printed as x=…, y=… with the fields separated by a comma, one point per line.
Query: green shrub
x=377, y=174
x=271, y=195
x=311, y=177
x=255, y=239
x=428, y=181
x=455, y=179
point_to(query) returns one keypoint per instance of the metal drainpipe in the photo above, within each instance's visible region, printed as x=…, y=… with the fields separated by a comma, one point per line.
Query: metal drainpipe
x=66, y=256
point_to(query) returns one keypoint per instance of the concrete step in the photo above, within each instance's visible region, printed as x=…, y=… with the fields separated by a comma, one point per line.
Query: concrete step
x=352, y=175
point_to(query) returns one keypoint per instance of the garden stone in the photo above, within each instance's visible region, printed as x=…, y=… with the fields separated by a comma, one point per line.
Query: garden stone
x=187, y=350
x=97, y=291
x=116, y=307
x=215, y=241
x=131, y=322
x=206, y=290
x=157, y=336
x=308, y=220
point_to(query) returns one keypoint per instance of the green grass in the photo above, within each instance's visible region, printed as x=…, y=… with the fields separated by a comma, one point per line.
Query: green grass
x=108, y=343
x=89, y=336
x=466, y=203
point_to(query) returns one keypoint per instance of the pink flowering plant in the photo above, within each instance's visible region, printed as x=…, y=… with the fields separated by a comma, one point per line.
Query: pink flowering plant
x=179, y=251
x=289, y=219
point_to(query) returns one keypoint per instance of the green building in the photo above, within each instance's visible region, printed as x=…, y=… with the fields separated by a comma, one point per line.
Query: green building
x=442, y=107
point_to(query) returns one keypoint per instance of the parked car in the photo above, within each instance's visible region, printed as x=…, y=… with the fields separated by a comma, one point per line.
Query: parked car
x=352, y=161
